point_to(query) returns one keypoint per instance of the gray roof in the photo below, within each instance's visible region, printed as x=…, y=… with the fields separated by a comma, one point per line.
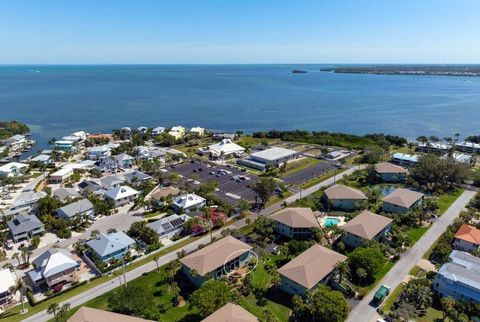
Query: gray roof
x=112, y=181
x=27, y=198
x=168, y=224
x=65, y=193
x=89, y=186
x=75, y=208
x=463, y=268
x=123, y=157
x=137, y=176
x=106, y=244
x=24, y=223
x=274, y=153
x=52, y=262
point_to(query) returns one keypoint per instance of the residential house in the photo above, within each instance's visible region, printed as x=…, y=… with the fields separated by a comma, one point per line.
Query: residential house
x=121, y=195
x=61, y=175
x=169, y=226
x=15, y=142
x=405, y=160
x=225, y=148
x=158, y=195
x=459, y=278
x=231, y=313
x=99, y=152
x=27, y=201
x=13, y=169
x=215, y=260
x=157, y=130
x=343, y=197
x=467, y=147
x=63, y=145
x=434, y=147
x=87, y=314
x=222, y=136
x=365, y=226
x=53, y=267
x=177, y=132
x=112, y=181
x=137, y=177
x=189, y=202
x=402, y=200
x=25, y=227
x=80, y=134
x=6, y=283
x=309, y=269
x=124, y=160
x=80, y=208
x=200, y=131
x=89, y=186
x=142, y=129
x=110, y=246
x=107, y=164
x=41, y=159
x=389, y=172
x=295, y=222
x=64, y=194
x=467, y=239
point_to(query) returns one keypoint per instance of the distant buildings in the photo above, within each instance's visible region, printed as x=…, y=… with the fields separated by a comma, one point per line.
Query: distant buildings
x=365, y=226
x=177, y=132
x=295, y=222
x=467, y=239
x=389, y=172
x=99, y=152
x=225, y=148
x=157, y=130
x=468, y=147
x=15, y=142
x=199, y=131
x=274, y=156
x=405, y=160
x=402, y=200
x=343, y=197
x=64, y=145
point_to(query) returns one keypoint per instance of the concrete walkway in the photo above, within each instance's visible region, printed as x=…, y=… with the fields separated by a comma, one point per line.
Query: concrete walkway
x=363, y=311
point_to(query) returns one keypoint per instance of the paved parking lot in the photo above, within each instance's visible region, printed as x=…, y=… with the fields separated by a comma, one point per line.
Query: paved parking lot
x=304, y=175
x=230, y=190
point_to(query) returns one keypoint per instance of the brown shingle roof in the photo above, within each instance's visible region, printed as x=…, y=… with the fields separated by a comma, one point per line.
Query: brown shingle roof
x=469, y=234
x=211, y=257
x=311, y=266
x=366, y=225
x=403, y=197
x=296, y=217
x=340, y=191
x=231, y=313
x=387, y=167
x=87, y=314
x=165, y=192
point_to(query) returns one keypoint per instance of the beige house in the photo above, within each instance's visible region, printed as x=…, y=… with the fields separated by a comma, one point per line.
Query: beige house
x=307, y=270
x=467, y=239
x=365, y=226
x=295, y=222
x=390, y=172
x=215, y=260
x=87, y=314
x=402, y=200
x=343, y=197
x=231, y=313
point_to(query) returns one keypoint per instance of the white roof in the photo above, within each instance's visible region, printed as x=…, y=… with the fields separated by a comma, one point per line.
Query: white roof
x=158, y=129
x=62, y=172
x=6, y=280
x=197, y=129
x=274, y=153
x=102, y=148
x=188, y=200
x=41, y=158
x=121, y=192
x=177, y=129
x=9, y=167
x=54, y=261
x=226, y=146
x=64, y=142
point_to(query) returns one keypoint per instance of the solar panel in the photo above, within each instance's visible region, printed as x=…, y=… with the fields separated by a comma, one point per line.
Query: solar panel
x=176, y=222
x=166, y=226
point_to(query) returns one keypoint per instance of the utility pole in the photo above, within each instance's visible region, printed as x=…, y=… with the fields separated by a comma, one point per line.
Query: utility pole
x=123, y=267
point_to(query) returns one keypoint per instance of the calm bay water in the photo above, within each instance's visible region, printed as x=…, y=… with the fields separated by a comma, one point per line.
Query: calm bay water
x=57, y=100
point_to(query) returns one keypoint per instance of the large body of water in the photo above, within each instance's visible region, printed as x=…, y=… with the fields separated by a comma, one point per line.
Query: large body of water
x=56, y=100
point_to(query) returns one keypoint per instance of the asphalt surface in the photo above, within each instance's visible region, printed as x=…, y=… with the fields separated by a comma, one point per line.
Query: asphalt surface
x=363, y=311
x=304, y=175
x=90, y=294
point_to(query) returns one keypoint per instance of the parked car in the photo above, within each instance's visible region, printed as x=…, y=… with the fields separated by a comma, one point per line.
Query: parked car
x=381, y=294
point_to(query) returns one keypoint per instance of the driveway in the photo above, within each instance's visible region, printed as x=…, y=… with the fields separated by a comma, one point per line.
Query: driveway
x=399, y=272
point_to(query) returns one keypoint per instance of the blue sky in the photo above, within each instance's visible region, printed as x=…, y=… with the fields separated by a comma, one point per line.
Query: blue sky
x=239, y=31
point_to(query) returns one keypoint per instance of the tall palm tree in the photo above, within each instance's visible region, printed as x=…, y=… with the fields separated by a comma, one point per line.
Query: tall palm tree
x=343, y=269
x=53, y=308
x=19, y=286
x=17, y=257
x=156, y=258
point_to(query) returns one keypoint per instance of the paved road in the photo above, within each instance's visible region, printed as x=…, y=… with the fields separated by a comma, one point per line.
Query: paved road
x=137, y=272
x=363, y=312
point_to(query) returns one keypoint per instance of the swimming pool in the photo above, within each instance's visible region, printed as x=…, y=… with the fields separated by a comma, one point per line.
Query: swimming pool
x=331, y=222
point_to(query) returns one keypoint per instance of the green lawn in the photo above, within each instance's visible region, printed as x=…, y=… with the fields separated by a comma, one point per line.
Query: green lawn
x=380, y=274
x=251, y=142
x=445, y=200
x=416, y=233
x=432, y=315
x=317, y=180
x=387, y=305
x=277, y=198
x=301, y=164
x=415, y=270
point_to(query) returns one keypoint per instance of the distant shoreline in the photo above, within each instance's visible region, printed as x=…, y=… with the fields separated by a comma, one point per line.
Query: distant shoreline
x=415, y=70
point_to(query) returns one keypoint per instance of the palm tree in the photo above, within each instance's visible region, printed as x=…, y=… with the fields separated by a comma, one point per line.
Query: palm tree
x=17, y=257
x=176, y=292
x=53, y=308
x=361, y=273
x=20, y=287
x=94, y=233
x=343, y=269
x=156, y=258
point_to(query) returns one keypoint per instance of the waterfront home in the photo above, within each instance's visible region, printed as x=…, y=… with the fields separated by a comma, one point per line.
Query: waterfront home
x=15, y=142
x=199, y=131
x=142, y=129
x=389, y=172
x=274, y=156
x=124, y=160
x=73, y=138
x=63, y=145
x=467, y=147
x=459, y=278
x=169, y=226
x=25, y=227
x=112, y=181
x=110, y=246
x=87, y=314
x=189, y=202
x=99, y=152
x=64, y=194
x=402, y=200
x=222, y=136
x=82, y=207
x=365, y=226
x=215, y=260
x=295, y=222
x=13, y=169
x=467, y=239
x=343, y=197
x=157, y=130
x=225, y=148
x=231, y=313
x=309, y=269
x=28, y=201
x=121, y=195
x=405, y=160
x=53, y=267
x=6, y=283
x=41, y=159
x=177, y=132
x=137, y=177
x=80, y=134
x=61, y=175
x=461, y=158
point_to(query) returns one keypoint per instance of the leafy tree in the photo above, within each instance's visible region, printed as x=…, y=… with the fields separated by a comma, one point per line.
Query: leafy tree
x=296, y=247
x=370, y=259
x=211, y=296
x=343, y=269
x=264, y=228
x=132, y=300
x=165, y=139
x=264, y=188
x=141, y=231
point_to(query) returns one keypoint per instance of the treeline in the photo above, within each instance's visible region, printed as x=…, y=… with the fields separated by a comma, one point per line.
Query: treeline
x=350, y=141
x=10, y=128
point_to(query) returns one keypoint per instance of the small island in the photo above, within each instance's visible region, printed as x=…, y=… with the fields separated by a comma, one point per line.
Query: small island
x=299, y=71
x=439, y=70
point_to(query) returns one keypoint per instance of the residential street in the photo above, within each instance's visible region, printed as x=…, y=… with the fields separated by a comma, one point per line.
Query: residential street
x=363, y=312
x=107, y=286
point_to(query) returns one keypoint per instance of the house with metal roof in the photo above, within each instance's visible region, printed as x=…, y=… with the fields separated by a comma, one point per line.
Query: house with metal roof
x=402, y=200
x=200, y=131
x=64, y=145
x=41, y=159
x=137, y=177
x=169, y=226
x=61, y=175
x=99, y=152
x=54, y=266
x=275, y=156
x=157, y=130
x=25, y=226
x=307, y=270
x=121, y=195
x=110, y=246
x=189, y=202
x=459, y=278
x=13, y=169
x=64, y=194
x=295, y=222
x=112, y=181
x=124, y=160
x=231, y=313
x=404, y=160
x=225, y=147
x=14, y=142
x=343, y=197
x=80, y=208
x=467, y=239
x=215, y=260
x=389, y=172
x=6, y=284
x=365, y=226
x=28, y=201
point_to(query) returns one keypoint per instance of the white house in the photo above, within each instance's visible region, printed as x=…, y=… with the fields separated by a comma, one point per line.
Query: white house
x=99, y=152
x=189, y=202
x=158, y=130
x=61, y=175
x=15, y=142
x=6, y=283
x=121, y=195
x=177, y=132
x=13, y=169
x=405, y=160
x=200, y=131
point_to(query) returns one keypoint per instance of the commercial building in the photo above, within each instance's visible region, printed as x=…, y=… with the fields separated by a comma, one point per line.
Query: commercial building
x=275, y=156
